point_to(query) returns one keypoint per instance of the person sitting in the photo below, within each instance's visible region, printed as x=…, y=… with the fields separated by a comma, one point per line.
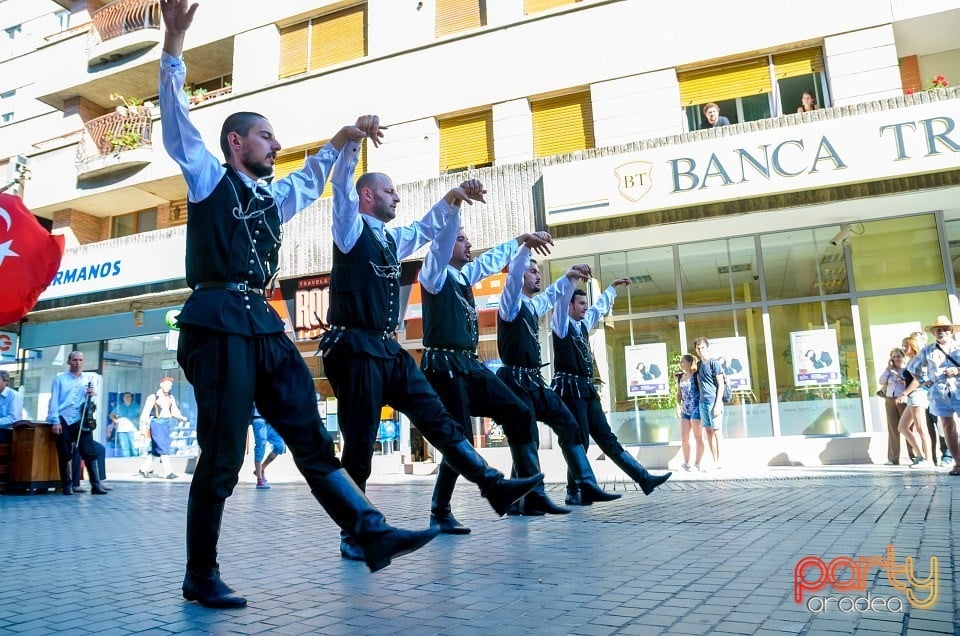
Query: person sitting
x=808, y=102
x=713, y=117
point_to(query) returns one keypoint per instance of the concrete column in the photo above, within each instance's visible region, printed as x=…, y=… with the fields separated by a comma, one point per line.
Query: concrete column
x=397, y=26
x=862, y=66
x=636, y=107
x=512, y=131
x=411, y=152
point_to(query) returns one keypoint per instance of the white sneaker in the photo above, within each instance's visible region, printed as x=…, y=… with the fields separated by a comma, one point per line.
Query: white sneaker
x=700, y=469
x=889, y=463
x=686, y=467
x=923, y=463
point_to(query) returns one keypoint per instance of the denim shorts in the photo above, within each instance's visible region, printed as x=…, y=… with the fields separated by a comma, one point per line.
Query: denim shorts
x=707, y=418
x=690, y=416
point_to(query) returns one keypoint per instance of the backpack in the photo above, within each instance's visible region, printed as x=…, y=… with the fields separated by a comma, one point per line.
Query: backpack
x=727, y=391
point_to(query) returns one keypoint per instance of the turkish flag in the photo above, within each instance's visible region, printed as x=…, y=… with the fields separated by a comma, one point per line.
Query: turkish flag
x=29, y=259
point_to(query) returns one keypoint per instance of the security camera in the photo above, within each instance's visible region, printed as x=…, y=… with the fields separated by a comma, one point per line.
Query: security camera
x=840, y=237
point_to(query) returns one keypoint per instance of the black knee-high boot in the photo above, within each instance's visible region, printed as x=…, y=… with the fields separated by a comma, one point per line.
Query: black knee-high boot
x=66, y=476
x=526, y=461
x=573, y=492
x=578, y=463
x=638, y=473
x=202, y=583
x=93, y=470
x=349, y=507
x=440, y=514
x=497, y=490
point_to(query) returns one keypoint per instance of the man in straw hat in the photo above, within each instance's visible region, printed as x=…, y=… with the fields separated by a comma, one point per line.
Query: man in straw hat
x=942, y=362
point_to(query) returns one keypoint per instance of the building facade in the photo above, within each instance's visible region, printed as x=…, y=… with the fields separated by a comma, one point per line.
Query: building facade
x=832, y=230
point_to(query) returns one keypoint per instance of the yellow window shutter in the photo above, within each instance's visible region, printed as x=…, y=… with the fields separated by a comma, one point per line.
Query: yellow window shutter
x=535, y=6
x=293, y=49
x=797, y=63
x=727, y=81
x=562, y=124
x=294, y=160
x=288, y=162
x=338, y=37
x=466, y=140
x=454, y=16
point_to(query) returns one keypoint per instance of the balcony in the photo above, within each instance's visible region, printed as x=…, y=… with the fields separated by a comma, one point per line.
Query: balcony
x=119, y=141
x=122, y=29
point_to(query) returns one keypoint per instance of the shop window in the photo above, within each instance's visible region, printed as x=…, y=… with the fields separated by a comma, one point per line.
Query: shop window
x=952, y=229
x=562, y=124
x=454, y=16
x=817, y=369
x=719, y=272
x=133, y=223
x=754, y=89
x=466, y=141
x=323, y=41
x=738, y=344
x=536, y=6
x=803, y=263
x=652, y=279
x=879, y=264
x=293, y=160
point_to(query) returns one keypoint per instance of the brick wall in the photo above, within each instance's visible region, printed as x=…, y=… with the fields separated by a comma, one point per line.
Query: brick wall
x=87, y=228
x=910, y=74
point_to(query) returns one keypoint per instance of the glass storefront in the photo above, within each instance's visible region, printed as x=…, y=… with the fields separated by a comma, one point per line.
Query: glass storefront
x=814, y=317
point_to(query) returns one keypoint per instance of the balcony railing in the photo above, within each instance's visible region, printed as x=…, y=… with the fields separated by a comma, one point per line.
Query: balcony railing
x=126, y=129
x=126, y=16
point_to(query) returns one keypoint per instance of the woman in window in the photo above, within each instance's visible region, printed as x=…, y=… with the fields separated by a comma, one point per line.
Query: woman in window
x=808, y=102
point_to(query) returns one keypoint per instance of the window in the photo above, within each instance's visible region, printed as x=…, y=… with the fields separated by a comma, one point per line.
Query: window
x=8, y=94
x=6, y=117
x=323, y=41
x=536, y=6
x=14, y=31
x=758, y=88
x=293, y=160
x=133, y=223
x=466, y=141
x=454, y=16
x=64, y=19
x=562, y=124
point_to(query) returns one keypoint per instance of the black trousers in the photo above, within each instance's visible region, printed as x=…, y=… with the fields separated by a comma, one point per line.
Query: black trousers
x=363, y=384
x=229, y=372
x=483, y=394
x=547, y=408
x=592, y=422
x=84, y=447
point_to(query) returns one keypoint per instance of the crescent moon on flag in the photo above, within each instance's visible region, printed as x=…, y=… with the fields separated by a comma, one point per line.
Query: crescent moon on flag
x=6, y=217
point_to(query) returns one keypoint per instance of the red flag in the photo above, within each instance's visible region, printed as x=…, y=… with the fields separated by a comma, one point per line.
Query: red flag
x=29, y=259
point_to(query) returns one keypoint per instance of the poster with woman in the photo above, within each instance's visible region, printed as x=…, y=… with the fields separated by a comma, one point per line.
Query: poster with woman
x=816, y=357
x=646, y=369
x=731, y=353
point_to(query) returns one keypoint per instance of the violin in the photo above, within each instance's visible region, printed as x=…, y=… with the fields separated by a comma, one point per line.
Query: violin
x=88, y=413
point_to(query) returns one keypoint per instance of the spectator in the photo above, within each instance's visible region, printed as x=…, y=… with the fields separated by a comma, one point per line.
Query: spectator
x=688, y=410
x=892, y=385
x=942, y=361
x=808, y=102
x=714, y=119
x=122, y=428
x=710, y=382
x=11, y=404
x=263, y=434
x=933, y=422
x=914, y=396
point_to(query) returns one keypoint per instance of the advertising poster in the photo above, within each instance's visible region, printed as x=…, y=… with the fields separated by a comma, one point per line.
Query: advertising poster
x=816, y=357
x=647, y=371
x=731, y=353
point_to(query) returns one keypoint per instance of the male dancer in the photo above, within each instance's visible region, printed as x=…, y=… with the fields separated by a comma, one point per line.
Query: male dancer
x=573, y=381
x=232, y=346
x=365, y=364
x=450, y=363
x=519, y=343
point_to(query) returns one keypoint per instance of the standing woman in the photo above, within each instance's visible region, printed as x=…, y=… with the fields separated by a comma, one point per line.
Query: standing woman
x=688, y=410
x=162, y=413
x=914, y=417
x=892, y=385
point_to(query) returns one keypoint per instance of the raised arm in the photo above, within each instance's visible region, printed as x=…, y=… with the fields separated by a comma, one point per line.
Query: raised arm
x=446, y=211
x=433, y=274
x=603, y=305
x=561, y=288
x=347, y=224
x=496, y=258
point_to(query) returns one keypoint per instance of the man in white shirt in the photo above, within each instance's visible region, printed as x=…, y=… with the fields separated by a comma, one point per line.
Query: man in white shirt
x=11, y=404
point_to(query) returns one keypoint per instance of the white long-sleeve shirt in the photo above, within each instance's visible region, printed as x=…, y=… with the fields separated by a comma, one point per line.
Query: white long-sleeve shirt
x=513, y=297
x=561, y=320
x=436, y=264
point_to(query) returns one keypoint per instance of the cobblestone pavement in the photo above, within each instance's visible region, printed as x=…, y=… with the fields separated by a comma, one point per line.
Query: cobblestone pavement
x=699, y=556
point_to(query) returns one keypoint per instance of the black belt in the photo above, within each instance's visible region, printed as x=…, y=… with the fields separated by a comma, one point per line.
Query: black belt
x=382, y=335
x=242, y=288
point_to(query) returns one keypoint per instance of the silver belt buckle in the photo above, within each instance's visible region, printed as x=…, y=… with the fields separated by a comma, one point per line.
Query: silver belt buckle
x=242, y=288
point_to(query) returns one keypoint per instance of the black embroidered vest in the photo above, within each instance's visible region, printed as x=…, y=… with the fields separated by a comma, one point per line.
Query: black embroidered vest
x=365, y=285
x=519, y=339
x=572, y=353
x=450, y=317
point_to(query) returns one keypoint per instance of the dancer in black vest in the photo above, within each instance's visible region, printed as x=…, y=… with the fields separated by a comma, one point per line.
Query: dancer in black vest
x=571, y=325
x=450, y=337
x=232, y=346
x=518, y=339
x=365, y=364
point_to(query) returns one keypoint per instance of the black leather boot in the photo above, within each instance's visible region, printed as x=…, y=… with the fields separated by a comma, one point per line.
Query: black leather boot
x=96, y=486
x=365, y=526
x=499, y=491
x=202, y=582
x=440, y=514
x=66, y=477
x=573, y=492
x=579, y=465
x=536, y=503
x=638, y=473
